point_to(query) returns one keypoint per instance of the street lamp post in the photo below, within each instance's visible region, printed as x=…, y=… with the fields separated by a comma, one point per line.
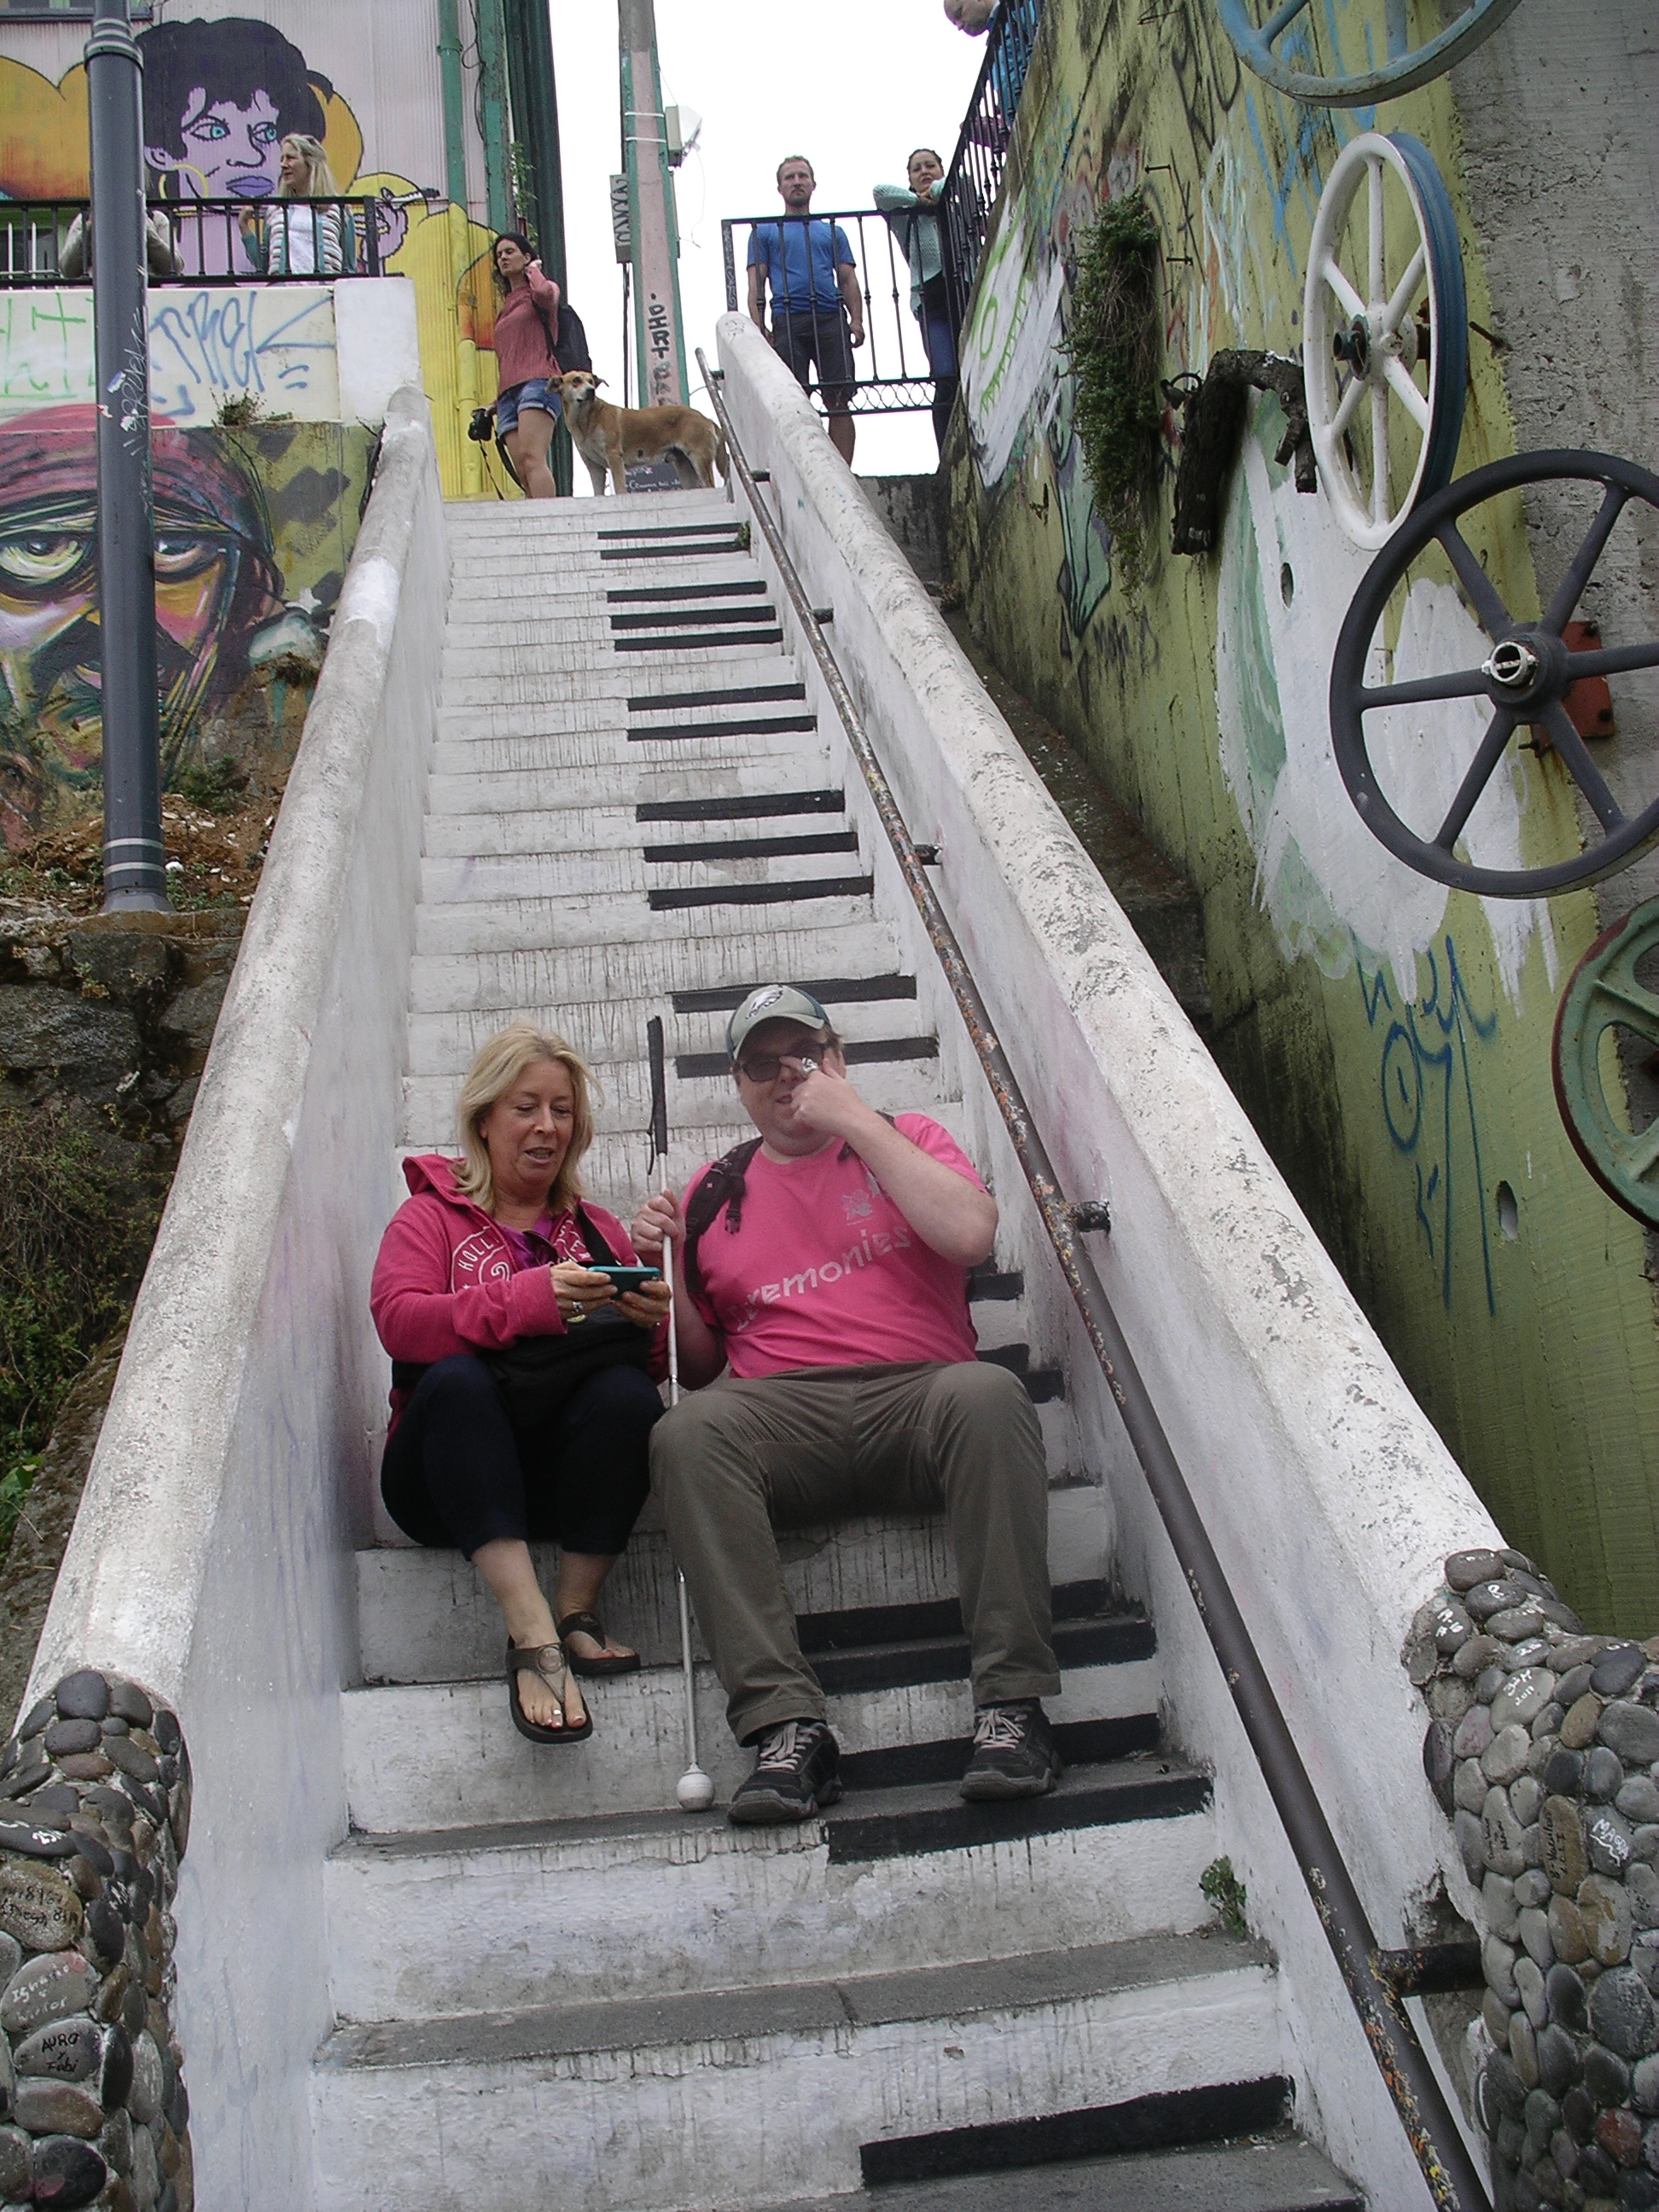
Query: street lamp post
x=134, y=864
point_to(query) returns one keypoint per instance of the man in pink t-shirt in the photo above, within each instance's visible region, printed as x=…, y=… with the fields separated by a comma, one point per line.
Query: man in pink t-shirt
x=827, y=1271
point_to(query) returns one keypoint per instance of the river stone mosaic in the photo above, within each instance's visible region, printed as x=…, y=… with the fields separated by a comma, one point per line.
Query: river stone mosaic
x=94, y=1816
x=1543, y=1752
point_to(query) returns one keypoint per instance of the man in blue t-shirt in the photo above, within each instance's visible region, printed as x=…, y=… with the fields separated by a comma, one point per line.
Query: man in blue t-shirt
x=817, y=310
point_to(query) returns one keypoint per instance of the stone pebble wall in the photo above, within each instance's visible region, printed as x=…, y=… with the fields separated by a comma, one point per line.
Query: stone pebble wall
x=1544, y=1749
x=94, y=1816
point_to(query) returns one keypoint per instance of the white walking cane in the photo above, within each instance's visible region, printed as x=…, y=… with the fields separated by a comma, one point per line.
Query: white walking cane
x=693, y=1790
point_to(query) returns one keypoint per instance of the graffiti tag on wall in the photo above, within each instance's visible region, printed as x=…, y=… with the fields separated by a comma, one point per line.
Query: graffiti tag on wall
x=1428, y=1093
x=205, y=346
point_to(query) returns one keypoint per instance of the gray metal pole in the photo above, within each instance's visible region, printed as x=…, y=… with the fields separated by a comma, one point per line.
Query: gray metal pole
x=659, y=332
x=134, y=865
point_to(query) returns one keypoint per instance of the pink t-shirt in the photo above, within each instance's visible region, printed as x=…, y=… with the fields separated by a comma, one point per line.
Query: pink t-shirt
x=825, y=1270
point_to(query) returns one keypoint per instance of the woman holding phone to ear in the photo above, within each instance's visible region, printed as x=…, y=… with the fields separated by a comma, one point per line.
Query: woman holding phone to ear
x=522, y=1397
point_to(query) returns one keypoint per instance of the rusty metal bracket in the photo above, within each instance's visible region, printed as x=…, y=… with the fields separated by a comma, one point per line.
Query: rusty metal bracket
x=1431, y=1969
x=1212, y=422
x=1089, y=1214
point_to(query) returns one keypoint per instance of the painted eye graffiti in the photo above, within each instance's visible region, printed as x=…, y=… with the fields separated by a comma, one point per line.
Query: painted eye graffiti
x=178, y=555
x=208, y=130
x=36, y=558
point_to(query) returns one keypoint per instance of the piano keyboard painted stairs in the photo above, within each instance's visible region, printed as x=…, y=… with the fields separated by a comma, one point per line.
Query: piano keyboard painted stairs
x=552, y=1989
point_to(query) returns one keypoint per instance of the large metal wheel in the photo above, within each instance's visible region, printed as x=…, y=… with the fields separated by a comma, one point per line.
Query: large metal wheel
x=1405, y=68
x=1379, y=382
x=1608, y=992
x=1523, y=679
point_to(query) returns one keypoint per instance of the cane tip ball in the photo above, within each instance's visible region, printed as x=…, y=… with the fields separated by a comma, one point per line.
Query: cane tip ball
x=696, y=1791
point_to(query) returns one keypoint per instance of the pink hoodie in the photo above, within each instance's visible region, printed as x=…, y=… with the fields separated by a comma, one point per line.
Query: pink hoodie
x=444, y=1280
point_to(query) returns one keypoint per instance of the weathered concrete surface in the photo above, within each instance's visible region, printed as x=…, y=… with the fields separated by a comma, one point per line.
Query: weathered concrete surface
x=212, y=1554
x=1390, y=1040
x=1319, y=1478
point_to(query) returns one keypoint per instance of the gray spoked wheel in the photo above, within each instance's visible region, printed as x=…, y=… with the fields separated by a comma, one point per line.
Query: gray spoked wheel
x=1524, y=679
x=1385, y=390
x=1277, y=52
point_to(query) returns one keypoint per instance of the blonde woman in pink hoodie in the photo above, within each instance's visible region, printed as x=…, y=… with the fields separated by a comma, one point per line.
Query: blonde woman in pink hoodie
x=523, y=1393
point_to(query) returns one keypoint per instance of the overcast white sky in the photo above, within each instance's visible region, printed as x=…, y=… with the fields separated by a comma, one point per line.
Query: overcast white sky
x=854, y=88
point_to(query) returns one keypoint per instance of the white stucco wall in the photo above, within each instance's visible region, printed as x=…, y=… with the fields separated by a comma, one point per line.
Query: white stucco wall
x=1330, y=1498
x=378, y=344
x=318, y=352
x=211, y=1556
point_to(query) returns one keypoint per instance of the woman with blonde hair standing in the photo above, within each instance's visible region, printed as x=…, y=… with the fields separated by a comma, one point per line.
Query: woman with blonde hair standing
x=522, y=1393
x=299, y=240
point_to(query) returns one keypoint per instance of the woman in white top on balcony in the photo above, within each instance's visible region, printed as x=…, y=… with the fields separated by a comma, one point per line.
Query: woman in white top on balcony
x=302, y=240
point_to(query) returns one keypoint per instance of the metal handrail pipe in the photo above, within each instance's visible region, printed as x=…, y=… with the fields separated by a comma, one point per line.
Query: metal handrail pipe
x=1452, y=2177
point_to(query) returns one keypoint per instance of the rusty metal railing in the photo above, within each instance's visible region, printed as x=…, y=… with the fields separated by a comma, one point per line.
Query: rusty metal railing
x=1378, y=1981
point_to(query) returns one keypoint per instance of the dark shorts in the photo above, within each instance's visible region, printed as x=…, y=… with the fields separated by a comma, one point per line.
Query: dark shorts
x=801, y=341
x=533, y=393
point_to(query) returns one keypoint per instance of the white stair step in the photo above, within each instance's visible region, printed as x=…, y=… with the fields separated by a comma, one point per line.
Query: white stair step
x=701, y=1103
x=445, y=1754
x=610, y=1908
x=792, y=759
x=605, y=921
x=570, y=871
x=622, y=676
x=616, y=1160
x=425, y=1616
x=480, y=583
x=572, y=666
x=699, y=774
x=805, y=945
x=552, y=826
x=1281, y=2174
x=444, y=1043
x=726, y=2100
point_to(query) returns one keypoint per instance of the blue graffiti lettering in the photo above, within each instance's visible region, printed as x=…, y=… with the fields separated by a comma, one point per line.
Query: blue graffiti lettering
x=1427, y=1086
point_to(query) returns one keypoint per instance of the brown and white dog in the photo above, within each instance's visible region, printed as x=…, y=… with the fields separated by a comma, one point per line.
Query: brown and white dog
x=609, y=438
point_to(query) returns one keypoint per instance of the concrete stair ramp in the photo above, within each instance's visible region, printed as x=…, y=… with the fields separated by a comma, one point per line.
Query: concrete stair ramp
x=660, y=846
x=719, y=2097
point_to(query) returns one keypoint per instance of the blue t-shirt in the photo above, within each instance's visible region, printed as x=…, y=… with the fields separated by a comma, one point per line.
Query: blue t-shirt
x=793, y=293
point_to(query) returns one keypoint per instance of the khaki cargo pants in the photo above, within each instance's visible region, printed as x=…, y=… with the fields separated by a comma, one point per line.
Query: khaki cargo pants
x=738, y=1459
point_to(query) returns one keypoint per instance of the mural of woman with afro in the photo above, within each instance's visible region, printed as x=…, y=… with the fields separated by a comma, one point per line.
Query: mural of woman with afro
x=220, y=97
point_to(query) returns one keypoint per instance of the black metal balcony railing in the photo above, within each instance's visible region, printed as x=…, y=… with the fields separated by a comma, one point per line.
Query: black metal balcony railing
x=309, y=241
x=891, y=375
x=890, y=372
x=974, y=177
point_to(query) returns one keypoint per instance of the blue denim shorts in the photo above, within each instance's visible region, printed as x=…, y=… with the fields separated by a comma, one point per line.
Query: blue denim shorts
x=532, y=392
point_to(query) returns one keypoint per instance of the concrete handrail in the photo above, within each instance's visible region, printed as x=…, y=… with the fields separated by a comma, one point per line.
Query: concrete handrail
x=211, y=1556
x=1326, y=1491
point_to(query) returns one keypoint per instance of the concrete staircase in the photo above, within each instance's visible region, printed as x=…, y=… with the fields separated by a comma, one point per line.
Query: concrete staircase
x=551, y=1988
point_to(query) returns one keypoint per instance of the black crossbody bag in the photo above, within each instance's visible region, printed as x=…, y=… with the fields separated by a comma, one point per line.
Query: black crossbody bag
x=535, y=1375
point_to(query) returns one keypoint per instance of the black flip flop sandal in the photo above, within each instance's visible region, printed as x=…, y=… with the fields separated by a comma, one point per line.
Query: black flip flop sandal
x=533, y=1660
x=608, y=1663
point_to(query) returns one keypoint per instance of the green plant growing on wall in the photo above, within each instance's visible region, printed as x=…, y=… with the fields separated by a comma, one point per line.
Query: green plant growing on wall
x=1224, y=1893
x=218, y=785
x=1116, y=352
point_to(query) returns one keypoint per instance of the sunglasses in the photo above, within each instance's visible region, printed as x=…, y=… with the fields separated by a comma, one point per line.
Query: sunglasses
x=767, y=1066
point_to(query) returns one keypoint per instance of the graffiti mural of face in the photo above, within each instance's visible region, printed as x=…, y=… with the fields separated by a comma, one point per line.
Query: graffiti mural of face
x=213, y=582
x=231, y=152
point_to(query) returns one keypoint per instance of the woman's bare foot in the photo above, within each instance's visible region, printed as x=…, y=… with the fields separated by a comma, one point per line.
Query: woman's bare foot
x=580, y=1645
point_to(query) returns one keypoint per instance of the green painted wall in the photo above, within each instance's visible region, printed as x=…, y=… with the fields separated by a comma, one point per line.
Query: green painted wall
x=1390, y=1040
